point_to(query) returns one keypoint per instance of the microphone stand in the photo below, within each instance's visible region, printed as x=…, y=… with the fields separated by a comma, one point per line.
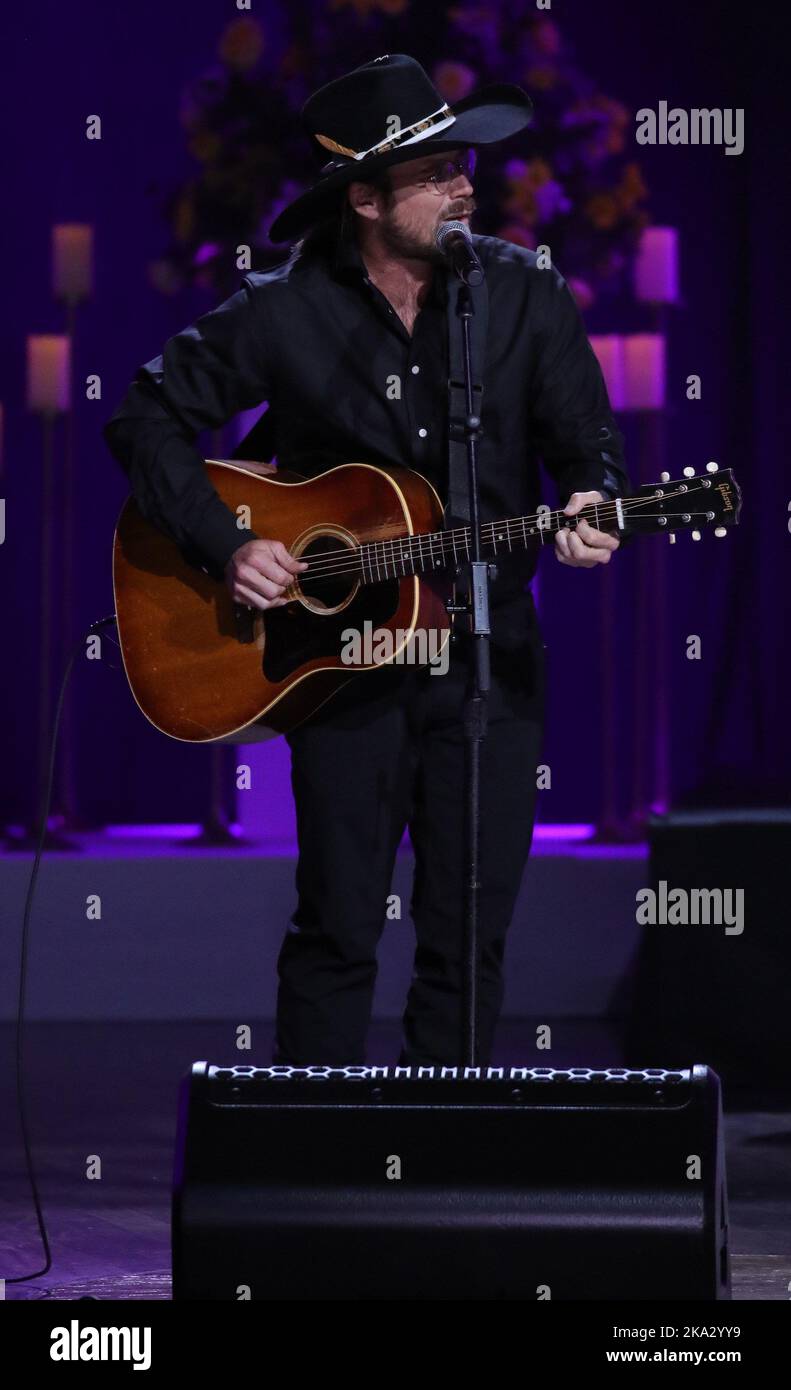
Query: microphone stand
x=477, y=693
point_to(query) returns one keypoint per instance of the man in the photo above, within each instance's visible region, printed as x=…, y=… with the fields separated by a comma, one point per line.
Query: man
x=361, y=304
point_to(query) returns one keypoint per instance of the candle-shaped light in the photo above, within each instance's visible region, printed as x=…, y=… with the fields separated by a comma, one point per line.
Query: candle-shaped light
x=608, y=348
x=72, y=261
x=656, y=266
x=48, y=373
x=644, y=371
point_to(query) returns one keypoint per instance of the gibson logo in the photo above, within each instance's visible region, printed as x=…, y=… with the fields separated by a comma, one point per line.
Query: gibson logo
x=725, y=490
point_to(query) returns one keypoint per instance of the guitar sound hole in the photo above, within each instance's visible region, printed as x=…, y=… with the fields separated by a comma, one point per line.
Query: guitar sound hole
x=334, y=573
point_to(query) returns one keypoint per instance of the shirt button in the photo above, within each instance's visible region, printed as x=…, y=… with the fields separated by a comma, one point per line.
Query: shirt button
x=422, y=433
x=415, y=371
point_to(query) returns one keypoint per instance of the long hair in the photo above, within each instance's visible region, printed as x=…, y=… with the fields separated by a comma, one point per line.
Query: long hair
x=338, y=223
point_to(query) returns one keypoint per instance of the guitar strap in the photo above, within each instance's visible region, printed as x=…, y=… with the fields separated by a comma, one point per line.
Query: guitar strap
x=457, y=509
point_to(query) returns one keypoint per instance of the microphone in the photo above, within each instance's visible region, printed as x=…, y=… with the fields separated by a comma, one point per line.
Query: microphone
x=455, y=243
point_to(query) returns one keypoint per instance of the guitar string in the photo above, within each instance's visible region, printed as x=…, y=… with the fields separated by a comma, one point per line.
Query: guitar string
x=336, y=561
x=367, y=554
x=610, y=510
x=509, y=522
x=423, y=544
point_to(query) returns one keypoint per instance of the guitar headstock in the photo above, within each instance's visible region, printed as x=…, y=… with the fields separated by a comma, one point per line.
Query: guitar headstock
x=692, y=503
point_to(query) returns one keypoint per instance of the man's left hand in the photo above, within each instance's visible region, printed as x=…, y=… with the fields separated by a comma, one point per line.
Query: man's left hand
x=584, y=547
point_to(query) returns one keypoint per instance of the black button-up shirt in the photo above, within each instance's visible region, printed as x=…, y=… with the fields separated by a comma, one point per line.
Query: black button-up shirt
x=345, y=381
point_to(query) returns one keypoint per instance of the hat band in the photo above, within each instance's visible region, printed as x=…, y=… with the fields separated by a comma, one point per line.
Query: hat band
x=410, y=135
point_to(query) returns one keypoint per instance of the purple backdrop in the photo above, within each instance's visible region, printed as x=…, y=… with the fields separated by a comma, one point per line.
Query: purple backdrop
x=731, y=740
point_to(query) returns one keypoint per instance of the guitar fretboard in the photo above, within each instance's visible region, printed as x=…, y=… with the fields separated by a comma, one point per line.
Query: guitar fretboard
x=433, y=550
x=688, y=503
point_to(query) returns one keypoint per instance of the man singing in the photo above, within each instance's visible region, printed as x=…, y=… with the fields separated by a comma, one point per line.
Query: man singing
x=360, y=303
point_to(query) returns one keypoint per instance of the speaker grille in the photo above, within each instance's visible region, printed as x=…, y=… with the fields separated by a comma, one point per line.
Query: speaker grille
x=542, y=1075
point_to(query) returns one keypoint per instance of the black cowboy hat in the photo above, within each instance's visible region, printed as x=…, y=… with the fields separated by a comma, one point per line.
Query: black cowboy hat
x=386, y=112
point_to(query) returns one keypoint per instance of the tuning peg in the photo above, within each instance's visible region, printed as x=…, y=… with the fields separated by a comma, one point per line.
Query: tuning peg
x=695, y=535
x=712, y=467
x=720, y=530
x=672, y=537
x=664, y=477
x=689, y=472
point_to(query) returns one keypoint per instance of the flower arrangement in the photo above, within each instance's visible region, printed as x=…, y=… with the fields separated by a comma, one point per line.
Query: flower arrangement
x=573, y=185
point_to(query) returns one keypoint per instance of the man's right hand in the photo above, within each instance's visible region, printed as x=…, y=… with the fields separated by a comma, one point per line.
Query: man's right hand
x=259, y=571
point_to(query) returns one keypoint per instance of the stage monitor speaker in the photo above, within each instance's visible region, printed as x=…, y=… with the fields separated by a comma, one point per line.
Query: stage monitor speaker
x=446, y=1183
x=716, y=989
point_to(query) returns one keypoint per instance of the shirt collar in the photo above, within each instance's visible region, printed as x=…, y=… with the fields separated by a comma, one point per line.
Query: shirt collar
x=347, y=260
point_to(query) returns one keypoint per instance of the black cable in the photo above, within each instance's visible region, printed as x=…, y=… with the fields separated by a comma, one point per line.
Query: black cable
x=78, y=647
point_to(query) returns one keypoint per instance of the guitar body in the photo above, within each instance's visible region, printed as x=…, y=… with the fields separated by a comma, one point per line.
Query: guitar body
x=204, y=669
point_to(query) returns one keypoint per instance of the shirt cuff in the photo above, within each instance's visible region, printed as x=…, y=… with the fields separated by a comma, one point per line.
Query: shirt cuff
x=216, y=535
x=588, y=477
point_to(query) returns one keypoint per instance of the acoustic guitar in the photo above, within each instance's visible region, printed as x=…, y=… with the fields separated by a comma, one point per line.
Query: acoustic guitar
x=205, y=669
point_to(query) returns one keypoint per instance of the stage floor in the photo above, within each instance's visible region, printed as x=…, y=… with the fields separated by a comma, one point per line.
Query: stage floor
x=186, y=932
x=110, y=1089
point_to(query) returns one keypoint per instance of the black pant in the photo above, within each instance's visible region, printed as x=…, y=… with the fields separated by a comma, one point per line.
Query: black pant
x=388, y=751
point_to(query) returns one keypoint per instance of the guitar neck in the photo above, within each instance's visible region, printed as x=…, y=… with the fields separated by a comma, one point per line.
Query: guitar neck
x=692, y=503
x=435, y=550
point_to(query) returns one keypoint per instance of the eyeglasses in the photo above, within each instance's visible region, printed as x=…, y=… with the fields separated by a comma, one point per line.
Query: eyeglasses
x=446, y=173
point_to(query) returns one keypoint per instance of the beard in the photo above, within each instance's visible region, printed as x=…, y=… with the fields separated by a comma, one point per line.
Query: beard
x=413, y=242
